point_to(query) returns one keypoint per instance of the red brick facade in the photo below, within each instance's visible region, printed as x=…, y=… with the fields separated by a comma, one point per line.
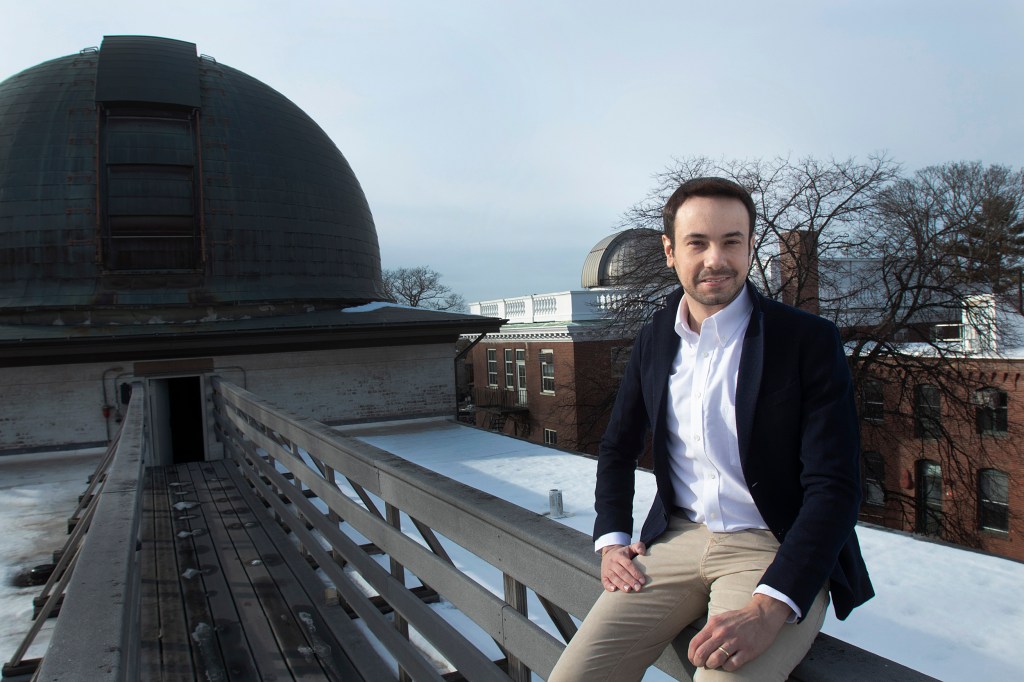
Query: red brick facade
x=963, y=457
x=576, y=410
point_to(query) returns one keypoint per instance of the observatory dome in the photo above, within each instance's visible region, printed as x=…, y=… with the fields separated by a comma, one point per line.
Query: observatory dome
x=141, y=175
x=613, y=258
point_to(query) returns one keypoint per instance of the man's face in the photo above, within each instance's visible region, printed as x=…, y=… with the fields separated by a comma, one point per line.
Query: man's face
x=711, y=252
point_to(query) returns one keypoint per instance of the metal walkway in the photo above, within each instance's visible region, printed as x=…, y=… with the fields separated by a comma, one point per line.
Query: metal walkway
x=227, y=596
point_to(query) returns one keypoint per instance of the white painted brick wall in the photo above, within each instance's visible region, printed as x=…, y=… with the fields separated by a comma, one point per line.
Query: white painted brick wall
x=55, y=405
x=62, y=405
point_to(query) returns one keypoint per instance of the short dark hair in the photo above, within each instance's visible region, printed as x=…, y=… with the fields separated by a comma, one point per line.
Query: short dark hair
x=706, y=187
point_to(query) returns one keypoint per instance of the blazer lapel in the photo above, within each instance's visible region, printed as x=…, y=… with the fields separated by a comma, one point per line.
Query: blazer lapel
x=748, y=380
x=665, y=345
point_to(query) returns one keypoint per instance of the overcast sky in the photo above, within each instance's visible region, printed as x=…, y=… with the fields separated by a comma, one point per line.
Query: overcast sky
x=499, y=141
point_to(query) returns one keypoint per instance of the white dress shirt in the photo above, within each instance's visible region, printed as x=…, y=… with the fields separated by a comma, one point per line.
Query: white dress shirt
x=704, y=455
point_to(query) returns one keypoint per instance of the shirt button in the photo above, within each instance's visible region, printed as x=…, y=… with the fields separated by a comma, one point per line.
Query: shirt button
x=706, y=354
x=712, y=477
x=697, y=438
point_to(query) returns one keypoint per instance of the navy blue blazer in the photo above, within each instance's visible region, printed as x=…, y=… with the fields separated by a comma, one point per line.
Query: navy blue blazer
x=798, y=440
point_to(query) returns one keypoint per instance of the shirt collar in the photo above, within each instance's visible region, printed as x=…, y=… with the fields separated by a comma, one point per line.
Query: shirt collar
x=723, y=325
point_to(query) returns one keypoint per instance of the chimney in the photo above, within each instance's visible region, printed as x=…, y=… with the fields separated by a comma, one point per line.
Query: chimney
x=798, y=269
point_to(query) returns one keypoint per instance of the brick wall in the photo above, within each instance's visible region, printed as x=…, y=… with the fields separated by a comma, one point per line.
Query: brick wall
x=54, y=406
x=584, y=389
x=61, y=406
x=961, y=456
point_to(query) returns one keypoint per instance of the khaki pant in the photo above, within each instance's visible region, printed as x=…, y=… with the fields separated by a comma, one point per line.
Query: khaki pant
x=691, y=572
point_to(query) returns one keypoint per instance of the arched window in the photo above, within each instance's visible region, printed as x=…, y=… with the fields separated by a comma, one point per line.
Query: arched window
x=990, y=410
x=993, y=500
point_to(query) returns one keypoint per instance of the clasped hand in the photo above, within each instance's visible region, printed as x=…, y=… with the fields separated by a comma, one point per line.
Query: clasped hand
x=618, y=572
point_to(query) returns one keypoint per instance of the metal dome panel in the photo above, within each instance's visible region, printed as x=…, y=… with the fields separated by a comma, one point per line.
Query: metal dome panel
x=611, y=257
x=269, y=204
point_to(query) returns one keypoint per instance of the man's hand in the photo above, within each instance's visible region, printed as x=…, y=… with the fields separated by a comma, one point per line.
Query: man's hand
x=617, y=569
x=733, y=638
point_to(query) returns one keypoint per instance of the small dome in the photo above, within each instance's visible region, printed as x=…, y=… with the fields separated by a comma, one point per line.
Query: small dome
x=141, y=174
x=615, y=256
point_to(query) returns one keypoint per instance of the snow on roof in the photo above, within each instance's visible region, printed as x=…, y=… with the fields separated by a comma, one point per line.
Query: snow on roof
x=376, y=305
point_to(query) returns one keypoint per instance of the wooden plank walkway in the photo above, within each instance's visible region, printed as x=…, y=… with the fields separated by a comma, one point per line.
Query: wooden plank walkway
x=227, y=596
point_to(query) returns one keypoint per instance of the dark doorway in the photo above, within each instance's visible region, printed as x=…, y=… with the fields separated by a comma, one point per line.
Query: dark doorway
x=185, y=399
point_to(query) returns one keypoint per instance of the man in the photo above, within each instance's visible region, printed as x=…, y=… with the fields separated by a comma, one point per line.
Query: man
x=755, y=443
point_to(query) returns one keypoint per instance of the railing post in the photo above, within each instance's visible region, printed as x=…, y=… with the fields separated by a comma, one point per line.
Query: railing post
x=515, y=596
x=394, y=519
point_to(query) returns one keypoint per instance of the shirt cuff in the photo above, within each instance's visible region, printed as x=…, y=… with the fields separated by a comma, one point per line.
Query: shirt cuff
x=613, y=538
x=775, y=594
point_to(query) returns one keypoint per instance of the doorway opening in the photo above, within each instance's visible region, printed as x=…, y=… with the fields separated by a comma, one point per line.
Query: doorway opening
x=178, y=431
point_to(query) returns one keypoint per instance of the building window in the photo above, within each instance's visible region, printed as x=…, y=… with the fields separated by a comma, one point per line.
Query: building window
x=521, y=377
x=872, y=400
x=620, y=358
x=874, y=478
x=993, y=500
x=990, y=410
x=510, y=376
x=550, y=437
x=927, y=411
x=492, y=367
x=929, y=497
x=547, y=371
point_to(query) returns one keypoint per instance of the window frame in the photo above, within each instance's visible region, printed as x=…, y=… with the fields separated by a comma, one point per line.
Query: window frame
x=873, y=478
x=547, y=371
x=510, y=368
x=928, y=498
x=550, y=437
x=872, y=400
x=927, y=411
x=988, y=506
x=492, y=367
x=991, y=411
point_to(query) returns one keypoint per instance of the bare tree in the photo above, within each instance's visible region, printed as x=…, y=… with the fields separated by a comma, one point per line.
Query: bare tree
x=421, y=287
x=910, y=269
x=826, y=203
x=928, y=331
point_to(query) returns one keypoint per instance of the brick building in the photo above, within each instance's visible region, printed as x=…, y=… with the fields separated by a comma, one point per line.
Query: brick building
x=550, y=373
x=942, y=411
x=947, y=460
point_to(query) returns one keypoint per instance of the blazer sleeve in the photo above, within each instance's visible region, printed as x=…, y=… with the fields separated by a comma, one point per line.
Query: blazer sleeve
x=621, y=447
x=822, y=509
